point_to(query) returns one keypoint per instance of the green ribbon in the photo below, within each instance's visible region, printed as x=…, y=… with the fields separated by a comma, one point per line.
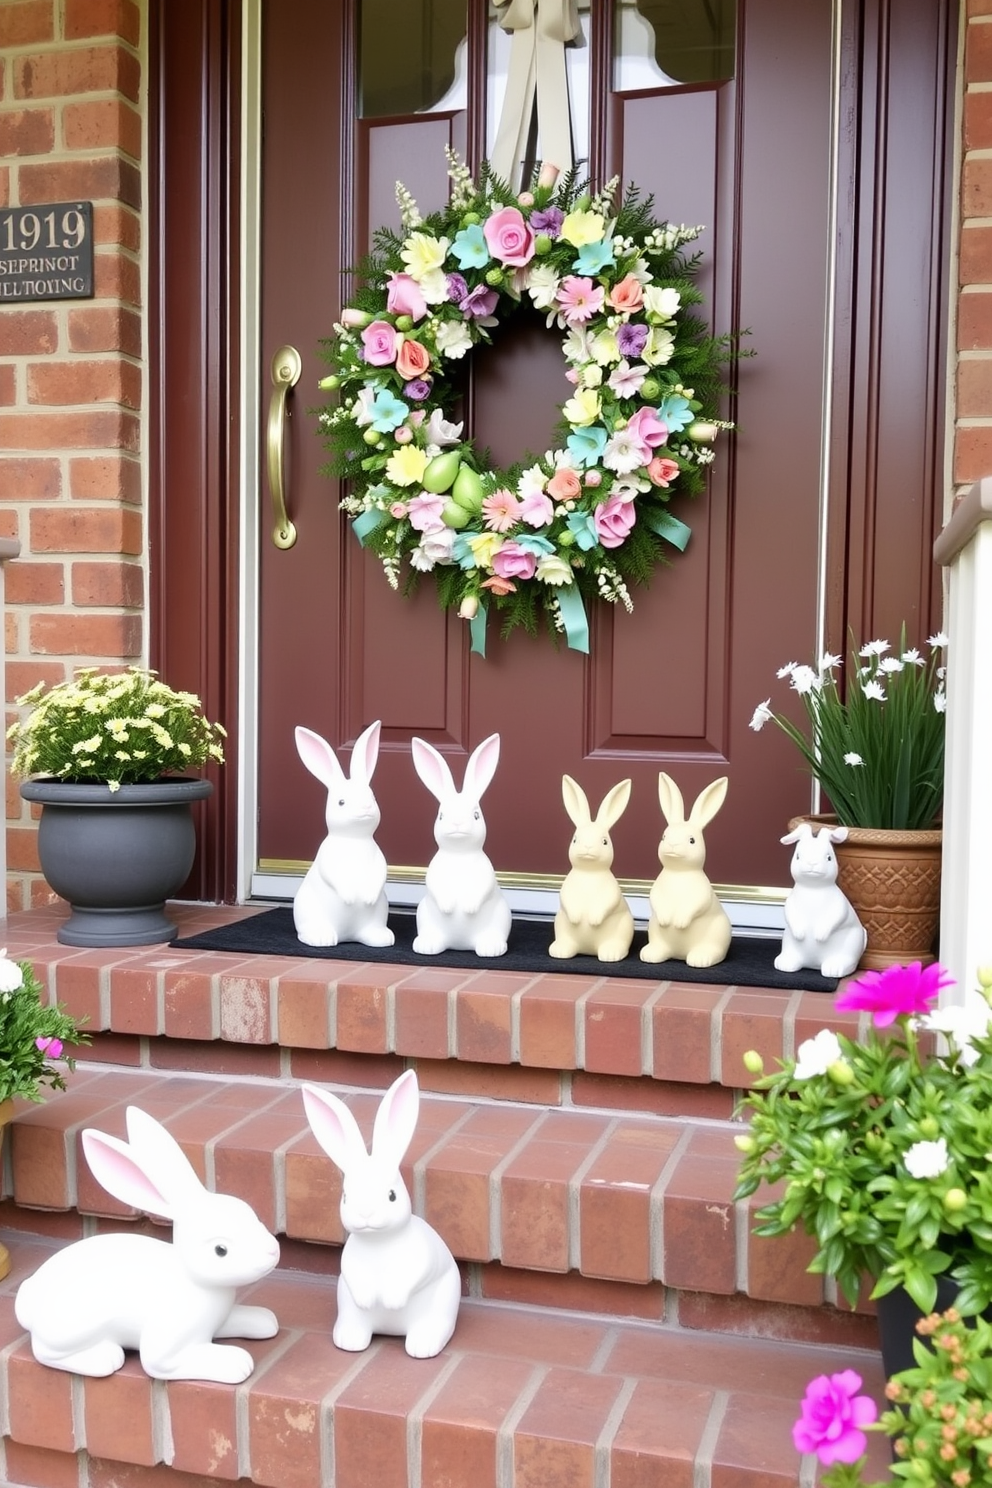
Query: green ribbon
x=668, y=527
x=477, y=631
x=366, y=523
x=573, y=613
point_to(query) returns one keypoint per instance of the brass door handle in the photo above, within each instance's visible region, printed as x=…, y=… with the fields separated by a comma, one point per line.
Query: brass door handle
x=287, y=364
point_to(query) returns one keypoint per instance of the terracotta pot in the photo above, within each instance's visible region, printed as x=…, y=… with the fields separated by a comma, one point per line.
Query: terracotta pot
x=6, y=1116
x=893, y=880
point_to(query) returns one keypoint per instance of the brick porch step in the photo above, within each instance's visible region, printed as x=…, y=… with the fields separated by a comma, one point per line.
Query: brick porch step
x=519, y=1399
x=610, y=1196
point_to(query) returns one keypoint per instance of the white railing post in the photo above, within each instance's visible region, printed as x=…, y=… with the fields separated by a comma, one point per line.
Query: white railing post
x=9, y=548
x=964, y=548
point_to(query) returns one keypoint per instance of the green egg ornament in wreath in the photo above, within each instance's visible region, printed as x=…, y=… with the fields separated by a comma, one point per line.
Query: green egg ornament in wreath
x=590, y=517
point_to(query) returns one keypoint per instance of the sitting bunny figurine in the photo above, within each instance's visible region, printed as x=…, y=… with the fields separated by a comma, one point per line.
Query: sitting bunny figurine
x=594, y=919
x=687, y=922
x=86, y=1304
x=822, y=931
x=397, y=1274
x=343, y=896
x=464, y=908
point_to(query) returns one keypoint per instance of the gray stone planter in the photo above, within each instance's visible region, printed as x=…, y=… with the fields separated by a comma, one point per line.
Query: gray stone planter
x=116, y=856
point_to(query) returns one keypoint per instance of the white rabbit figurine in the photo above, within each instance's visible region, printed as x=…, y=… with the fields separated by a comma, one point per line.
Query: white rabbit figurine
x=88, y=1303
x=687, y=922
x=464, y=908
x=822, y=931
x=397, y=1274
x=594, y=918
x=343, y=896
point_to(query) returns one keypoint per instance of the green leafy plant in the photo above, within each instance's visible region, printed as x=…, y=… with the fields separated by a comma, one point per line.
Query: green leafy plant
x=32, y=1035
x=119, y=727
x=940, y=1415
x=882, y=1150
x=877, y=751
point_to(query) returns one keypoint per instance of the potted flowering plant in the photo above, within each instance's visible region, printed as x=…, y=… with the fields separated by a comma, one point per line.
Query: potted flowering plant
x=940, y=1412
x=876, y=749
x=116, y=837
x=880, y=1148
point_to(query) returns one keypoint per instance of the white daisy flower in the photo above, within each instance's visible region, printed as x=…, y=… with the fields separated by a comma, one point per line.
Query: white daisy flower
x=804, y=680
x=761, y=715
x=938, y=641
x=623, y=453
x=452, y=339
x=787, y=670
x=891, y=664
x=875, y=691
x=874, y=648
x=912, y=657
x=940, y=701
x=927, y=1159
x=816, y=1055
x=853, y=758
x=542, y=285
x=828, y=661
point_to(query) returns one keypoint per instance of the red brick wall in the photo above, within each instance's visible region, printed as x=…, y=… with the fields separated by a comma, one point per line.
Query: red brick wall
x=71, y=371
x=973, y=432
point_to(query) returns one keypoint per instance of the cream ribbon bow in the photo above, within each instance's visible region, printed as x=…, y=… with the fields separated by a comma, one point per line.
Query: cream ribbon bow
x=540, y=30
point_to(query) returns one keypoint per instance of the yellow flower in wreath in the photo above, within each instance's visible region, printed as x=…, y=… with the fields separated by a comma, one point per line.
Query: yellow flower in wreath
x=406, y=465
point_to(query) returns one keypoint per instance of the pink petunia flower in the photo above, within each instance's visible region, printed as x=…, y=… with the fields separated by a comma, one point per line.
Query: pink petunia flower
x=579, y=299
x=537, y=509
x=833, y=1414
x=50, y=1046
x=896, y=992
x=501, y=510
x=514, y=562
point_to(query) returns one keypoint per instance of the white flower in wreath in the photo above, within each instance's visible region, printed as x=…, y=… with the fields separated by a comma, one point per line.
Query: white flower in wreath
x=361, y=410
x=659, y=347
x=453, y=339
x=663, y=302
x=561, y=459
x=434, y=287
x=531, y=482
x=591, y=375
x=583, y=408
x=629, y=486
x=440, y=431
x=423, y=254
x=605, y=348
x=625, y=381
x=624, y=452
x=542, y=285
x=433, y=548
x=577, y=346
x=554, y=570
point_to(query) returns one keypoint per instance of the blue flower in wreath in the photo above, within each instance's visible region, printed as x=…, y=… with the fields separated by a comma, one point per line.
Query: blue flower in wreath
x=593, y=257
x=461, y=553
x=675, y=412
x=469, y=248
x=388, y=411
x=582, y=528
x=587, y=444
x=533, y=542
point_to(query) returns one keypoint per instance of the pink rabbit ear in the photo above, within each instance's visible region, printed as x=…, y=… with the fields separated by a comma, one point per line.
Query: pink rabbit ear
x=432, y=769
x=481, y=767
x=319, y=757
x=365, y=753
x=396, y=1120
x=335, y=1128
x=113, y=1165
x=161, y=1157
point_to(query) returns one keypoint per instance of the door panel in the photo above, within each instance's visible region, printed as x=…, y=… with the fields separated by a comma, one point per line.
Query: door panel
x=674, y=685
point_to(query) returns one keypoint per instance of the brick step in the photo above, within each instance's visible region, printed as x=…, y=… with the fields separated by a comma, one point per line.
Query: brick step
x=666, y=1047
x=520, y=1398
x=607, y=1196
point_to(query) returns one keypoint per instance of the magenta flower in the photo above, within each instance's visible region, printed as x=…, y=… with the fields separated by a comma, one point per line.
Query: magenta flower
x=379, y=343
x=508, y=237
x=833, y=1414
x=514, y=562
x=50, y=1046
x=579, y=299
x=646, y=426
x=613, y=519
x=896, y=992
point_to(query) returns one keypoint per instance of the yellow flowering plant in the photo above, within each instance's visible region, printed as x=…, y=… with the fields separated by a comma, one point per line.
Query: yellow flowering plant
x=122, y=728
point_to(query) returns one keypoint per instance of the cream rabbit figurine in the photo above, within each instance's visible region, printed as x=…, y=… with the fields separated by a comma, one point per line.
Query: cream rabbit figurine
x=822, y=931
x=594, y=918
x=687, y=922
x=343, y=896
x=89, y=1302
x=397, y=1274
x=464, y=908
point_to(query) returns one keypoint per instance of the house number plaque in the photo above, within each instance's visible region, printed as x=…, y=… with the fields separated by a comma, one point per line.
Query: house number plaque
x=46, y=252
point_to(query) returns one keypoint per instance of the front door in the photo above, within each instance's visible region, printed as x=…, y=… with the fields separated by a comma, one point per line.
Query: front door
x=767, y=150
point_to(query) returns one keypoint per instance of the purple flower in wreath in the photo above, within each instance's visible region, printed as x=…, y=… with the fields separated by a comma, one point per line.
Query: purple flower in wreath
x=457, y=288
x=478, y=302
x=631, y=340
x=548, y=221
x=418, y=389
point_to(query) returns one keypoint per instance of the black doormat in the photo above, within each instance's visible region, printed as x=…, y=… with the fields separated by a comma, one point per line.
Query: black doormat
x=749, y=963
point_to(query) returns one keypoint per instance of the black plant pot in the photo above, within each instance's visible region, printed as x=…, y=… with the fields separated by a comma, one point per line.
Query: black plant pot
x=116, y=856
x=898, y=1316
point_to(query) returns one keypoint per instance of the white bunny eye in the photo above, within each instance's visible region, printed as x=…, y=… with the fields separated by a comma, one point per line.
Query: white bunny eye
x=392, y=1196
x=341, y=802
x=220, y=1250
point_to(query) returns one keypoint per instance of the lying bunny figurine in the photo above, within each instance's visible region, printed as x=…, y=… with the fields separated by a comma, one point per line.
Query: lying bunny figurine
x=343, y=896
x=86, y=1304
x=822, y=931
x=687, y=922
x=464, y=908
x=397, y=1274
x=594, y=919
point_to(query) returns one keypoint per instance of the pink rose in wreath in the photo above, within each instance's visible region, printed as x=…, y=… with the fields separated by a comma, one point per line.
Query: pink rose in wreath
x=613, y=519
x=514, y=562
x=404, y=297
x=379, y=343
x=648, y=428
x=564, y=485
x=508, y=237
x=662, y=472
x=412, y=360
x=496, y=585
x=627, y=295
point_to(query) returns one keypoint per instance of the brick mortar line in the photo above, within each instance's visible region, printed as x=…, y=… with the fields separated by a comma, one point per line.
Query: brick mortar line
x=163, y=1442
x=420, y=1166
x=507, y=1431
x=77, y=1410
x=716, y=1035
x=580, y=1022
x=468, y=988
x=656, y=1207
x=242, y=1394
x=602, y=1451
x=575, y=1196
x=597, y=1363
x=496, y=1183
x=5, y=1357
x=702, y=1467
x=647, y=1028
x=325, y=1411
x=415, y=1422
x=789, y=1025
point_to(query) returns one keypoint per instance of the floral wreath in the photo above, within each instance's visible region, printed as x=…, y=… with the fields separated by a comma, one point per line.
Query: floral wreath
x=591, y=515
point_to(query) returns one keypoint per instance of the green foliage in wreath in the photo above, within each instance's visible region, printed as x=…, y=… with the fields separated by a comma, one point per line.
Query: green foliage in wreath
x=589, y=517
